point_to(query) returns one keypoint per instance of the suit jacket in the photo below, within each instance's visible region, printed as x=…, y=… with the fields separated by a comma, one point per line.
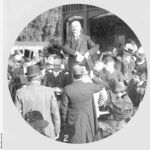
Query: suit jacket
x=78, y=111
x=60, y=81
x=51, y=81
x=41, y=98
x=83, y=45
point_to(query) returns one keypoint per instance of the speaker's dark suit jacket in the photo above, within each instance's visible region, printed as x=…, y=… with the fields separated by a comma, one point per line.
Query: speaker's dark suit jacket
x=83, y=44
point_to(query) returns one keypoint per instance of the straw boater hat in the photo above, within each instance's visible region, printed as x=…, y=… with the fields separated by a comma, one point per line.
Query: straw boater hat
x=33, y=71
x=35, y=119
x=129, y=48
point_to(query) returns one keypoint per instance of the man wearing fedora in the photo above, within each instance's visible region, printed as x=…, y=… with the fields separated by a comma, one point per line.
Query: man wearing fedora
x=78, y=110
x=40, y=98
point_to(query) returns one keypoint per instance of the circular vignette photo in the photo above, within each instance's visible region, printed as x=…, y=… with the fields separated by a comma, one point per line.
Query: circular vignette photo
x=77, y=73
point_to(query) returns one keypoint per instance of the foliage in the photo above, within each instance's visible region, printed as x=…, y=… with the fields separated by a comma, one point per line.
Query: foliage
x=45, y=27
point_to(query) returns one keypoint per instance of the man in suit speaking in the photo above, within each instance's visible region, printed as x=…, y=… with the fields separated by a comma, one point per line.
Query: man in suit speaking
x=79, y=47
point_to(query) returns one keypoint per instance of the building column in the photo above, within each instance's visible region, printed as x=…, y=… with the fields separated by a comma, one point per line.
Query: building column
x=85, y=30
x=62, y=26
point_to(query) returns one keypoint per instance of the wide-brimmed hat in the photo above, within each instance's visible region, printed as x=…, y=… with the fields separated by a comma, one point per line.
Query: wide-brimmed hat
x=35, y=119
x=20, y=80
x=129, y=49
x=33, y=71
x=121, y=109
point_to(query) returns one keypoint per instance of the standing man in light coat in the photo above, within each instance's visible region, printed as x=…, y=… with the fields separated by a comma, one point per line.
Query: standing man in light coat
x=40, y=98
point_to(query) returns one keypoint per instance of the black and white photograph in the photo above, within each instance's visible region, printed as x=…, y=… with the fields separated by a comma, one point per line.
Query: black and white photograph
x=77, y=74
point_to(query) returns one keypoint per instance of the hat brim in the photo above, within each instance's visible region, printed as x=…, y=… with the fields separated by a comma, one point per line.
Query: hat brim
x=127, y=51
x=39, y=124
x=108, y=55
x=33, y=75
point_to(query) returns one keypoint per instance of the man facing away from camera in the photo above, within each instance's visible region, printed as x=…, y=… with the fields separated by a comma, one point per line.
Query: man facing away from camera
x=79, y=47
x=40, y=98
x=77, y=109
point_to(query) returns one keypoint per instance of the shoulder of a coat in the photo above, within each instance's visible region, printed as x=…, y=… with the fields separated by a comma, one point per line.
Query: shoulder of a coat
x=21, y=91
x=66, y=88
x=85, y=37
x=48, y=89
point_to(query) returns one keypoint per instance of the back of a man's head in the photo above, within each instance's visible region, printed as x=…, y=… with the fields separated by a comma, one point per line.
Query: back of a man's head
x=77, y=71
x=33, y=73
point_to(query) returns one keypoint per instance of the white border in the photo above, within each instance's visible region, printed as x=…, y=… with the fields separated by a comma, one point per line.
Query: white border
x=17, y=134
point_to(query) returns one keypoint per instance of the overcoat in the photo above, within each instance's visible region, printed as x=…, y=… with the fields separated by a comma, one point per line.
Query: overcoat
x=40, y=98
x=78, y=111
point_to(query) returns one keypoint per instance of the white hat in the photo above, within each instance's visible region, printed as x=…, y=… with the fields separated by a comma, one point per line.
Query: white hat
x=131, y=48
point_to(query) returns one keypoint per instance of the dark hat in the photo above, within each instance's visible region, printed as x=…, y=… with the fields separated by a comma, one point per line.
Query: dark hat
x=19, y=80
x=42, y=65
x=122, y=109
x=77, y=69
x=108, y=57
x=28, y=54
x=16, y=52
x=33, y=71
x=35, y=119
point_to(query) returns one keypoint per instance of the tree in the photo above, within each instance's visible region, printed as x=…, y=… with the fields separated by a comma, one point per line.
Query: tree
x=45, y=27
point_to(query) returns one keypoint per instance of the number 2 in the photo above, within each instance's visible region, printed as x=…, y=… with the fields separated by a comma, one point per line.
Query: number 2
x=65, y=138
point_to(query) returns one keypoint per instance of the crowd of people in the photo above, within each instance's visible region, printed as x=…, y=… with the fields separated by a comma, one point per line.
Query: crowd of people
x=68, y=96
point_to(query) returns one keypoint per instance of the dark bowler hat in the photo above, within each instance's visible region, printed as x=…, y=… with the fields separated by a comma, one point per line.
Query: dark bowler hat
x=33, y=71
x=35, y=119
